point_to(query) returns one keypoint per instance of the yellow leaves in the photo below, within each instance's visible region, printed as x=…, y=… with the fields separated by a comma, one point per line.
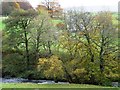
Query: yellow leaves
x=55, y=69
x=113, y=75
x=52, y=67
x=42, y=60
x=17, y=5
x=81, y=33
x=42, y=64
x=80, y=71
x=75, y=67
x=72, y=63
x=54, y=57
x=80, y=45
x=60, y=25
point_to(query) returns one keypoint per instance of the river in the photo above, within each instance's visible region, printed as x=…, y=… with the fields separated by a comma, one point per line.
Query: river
x=21, y=80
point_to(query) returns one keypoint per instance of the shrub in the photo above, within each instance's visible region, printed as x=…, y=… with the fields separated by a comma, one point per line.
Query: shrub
x=13, y=64
x=51, y=68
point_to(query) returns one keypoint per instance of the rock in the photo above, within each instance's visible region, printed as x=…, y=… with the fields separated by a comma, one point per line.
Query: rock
x=115, y=84
x=47, y=82
x=63, y=83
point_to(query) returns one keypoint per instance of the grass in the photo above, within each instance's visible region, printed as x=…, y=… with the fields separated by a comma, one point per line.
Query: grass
x=55, y=22
x=114, y=19
x=31, y=85
x=1, y=24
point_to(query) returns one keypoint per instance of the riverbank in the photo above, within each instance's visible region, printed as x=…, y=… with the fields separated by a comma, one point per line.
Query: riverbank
x=25, y=83
x=34, y=85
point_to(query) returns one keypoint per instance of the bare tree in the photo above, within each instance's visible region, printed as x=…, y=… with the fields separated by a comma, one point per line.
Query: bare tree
x=53, y=7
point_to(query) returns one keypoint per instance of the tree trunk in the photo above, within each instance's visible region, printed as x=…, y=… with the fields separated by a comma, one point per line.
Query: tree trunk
x=26, y=47
x=49, y=48
x=101, y=53
x=69, y=77
x=37, y=46
x=89, y=48
x=101, y=60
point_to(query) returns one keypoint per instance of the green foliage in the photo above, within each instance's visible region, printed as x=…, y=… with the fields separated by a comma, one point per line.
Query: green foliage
x=84, y=52
x=31, y=74
x=13, y=64
x=1, y=25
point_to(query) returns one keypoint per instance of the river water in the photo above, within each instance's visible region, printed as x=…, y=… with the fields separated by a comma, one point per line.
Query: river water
x=21, y=80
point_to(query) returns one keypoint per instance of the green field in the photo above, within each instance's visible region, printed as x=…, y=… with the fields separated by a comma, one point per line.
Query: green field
x=115, y=21
x=30, y=85
x=0, y=24
x=115, y=17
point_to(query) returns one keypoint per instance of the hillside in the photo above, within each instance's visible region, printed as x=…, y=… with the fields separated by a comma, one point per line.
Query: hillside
x=7, y=7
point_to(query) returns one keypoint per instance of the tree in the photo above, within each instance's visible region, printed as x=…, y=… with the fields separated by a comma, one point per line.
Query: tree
x=81, y=49
x=90, y=37
x=83, y=25
x=80, y=26
x=106, y=40
x=51, y=68
x=53, y=8
x=17, y=25
x=17, y=6
x=8, y=7
x=42, y=32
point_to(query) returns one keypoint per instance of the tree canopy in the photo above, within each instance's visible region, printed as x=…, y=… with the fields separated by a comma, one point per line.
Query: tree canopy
x=82, y=48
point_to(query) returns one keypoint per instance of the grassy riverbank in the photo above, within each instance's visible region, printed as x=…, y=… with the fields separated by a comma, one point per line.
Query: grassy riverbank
x=31, y=85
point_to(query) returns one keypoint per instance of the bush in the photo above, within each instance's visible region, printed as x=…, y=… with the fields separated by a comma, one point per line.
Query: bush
x=13, y=65
x=51, y=68
x=30, y=74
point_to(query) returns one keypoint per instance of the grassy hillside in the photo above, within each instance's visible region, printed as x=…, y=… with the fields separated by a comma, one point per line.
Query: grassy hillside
x=115, y=18
x=55, y=22
x=1, y=24
x=8, y=7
